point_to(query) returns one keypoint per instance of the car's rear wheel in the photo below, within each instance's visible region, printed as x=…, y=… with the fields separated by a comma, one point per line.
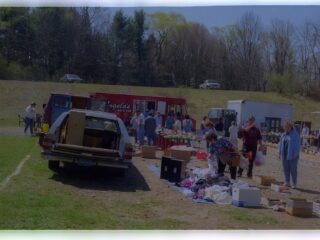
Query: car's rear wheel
x=54, y=166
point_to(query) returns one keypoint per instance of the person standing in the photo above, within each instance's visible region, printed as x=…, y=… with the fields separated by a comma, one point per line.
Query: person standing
x=134, y=125
x=203, y=124
x=30, y=117
x=233, y=130
x=177, y=124
x=150, y=126
x=305, y=134
x=140, y=131
x=158, y=119
x=251, y=138
x=289, y=151
x=169, y=121
x=187, y=124
x=219, y=128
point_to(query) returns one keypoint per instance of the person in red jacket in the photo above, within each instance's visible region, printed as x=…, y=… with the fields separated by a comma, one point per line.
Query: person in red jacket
x=251, y=137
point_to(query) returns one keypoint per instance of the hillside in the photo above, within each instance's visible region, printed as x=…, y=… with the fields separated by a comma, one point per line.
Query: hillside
x=16, y=95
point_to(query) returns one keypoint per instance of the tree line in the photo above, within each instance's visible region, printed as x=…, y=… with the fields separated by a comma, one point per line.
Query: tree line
x=159, y=49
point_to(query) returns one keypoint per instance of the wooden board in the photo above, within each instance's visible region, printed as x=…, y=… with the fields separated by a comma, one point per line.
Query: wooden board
x=75, y=128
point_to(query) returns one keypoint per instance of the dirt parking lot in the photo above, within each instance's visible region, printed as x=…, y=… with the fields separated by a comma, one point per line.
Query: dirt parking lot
x=166, y=202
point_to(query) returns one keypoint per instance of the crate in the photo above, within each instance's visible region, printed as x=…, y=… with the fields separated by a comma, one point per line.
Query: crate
x=173, y=170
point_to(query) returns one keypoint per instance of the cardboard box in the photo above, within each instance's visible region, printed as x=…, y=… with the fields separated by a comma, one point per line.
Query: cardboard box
x=278, y=187
x=148, y=151
x=247, y=197
x=270, y=202
x=299, y=207
x=181, y=152
x=264, y=180
x=75, y=128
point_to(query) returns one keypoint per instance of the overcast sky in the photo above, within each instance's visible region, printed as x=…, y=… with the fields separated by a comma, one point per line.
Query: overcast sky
x=210, y=12
x=226, y=15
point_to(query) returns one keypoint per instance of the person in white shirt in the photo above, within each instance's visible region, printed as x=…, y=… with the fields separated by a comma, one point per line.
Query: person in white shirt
x=134, y=125
x=158, y=118
x=140, y=131
x=30, y=117
x=305, y=135
x=233, y=130
x=177, y=124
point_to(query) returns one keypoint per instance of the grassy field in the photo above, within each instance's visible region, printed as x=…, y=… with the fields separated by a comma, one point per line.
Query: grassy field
x=35, y=199
x=16, y=95
x=9, y=158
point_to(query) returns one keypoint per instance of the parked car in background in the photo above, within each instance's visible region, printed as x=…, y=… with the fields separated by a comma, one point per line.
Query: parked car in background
x=88, y=138
x=71, y=78
x=210, y=84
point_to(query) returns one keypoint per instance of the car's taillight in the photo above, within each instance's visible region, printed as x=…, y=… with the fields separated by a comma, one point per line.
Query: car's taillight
x=47, y=142
x=128, y=152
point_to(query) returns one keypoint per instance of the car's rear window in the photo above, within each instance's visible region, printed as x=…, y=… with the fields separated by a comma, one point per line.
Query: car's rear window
x=101, y=124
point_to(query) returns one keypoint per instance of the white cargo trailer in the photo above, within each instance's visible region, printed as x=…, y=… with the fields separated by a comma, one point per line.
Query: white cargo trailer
x=269, y=116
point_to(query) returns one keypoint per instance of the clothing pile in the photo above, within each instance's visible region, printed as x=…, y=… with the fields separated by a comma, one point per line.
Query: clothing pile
x=204, y=184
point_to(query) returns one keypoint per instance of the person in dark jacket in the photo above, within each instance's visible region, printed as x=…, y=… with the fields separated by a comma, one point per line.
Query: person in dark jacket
x=150, y=125
x=222, y=149
x=219, y=128
x=251, y=137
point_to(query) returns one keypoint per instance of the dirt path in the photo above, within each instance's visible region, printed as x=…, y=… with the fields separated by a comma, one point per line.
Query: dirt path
x=12, y=131
x=157, y=200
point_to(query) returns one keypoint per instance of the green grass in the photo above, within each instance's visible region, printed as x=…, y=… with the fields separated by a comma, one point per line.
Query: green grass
x=16, y=95
x=35, y=200
x=250, y=217
x=12, y=151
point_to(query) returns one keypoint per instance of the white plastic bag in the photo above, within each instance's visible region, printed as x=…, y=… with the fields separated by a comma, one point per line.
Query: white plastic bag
x=218, y=194
x=244, y=162
x=260, y=159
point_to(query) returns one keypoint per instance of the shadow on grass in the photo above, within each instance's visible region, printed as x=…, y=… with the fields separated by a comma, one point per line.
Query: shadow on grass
x=102, y=179
x=308, y=191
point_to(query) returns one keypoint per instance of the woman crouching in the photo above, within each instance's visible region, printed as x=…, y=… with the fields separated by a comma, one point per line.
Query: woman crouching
x=222, y=150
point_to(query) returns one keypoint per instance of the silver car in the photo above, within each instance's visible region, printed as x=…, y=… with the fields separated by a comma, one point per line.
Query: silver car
x=210, y=84
x=88, y=138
